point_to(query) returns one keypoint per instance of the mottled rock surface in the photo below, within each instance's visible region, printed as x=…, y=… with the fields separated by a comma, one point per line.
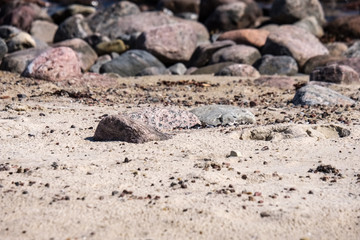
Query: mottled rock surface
x=216, y=115
x=335, y=73
x=122, y=128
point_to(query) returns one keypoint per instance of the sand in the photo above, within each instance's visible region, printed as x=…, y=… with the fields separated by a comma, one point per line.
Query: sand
x=57, y=183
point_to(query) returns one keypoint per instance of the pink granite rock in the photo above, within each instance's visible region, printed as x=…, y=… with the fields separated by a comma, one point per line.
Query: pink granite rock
x=56, y=65
x=169, y=43
x=253, y=37
x=335, y=73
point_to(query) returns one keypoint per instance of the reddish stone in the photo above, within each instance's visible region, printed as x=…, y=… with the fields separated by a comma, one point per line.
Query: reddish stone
x=56, y=65
x=122, y=128
x=254, y=37
x=170, y=43
x=335, y=74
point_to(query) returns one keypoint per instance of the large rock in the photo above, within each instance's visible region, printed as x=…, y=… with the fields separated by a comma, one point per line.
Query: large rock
x=345, y=27
x=237, y=53
x=290, y=11
x=20, y=41
x=354, y=63
x=73, y=27
x=43, y=30
x=3, y=48
x=207, y=7
x=99, y=62
x=169, y=43
x=335, y=74
x=21, y=16
x=181, y=6
x=144, y=21
x=85, y=53
x=317, y=95
x=239, y=70
x=279, y=82
x=229, y=17
x=122, y=128
x=281, y=65
x=105, y=17
x=166, y=118
x=336, y=49
x=295, y=42
x=215, y=115
x=202, y=54
x=131, y=63
x=55, y=65
x=319, y=61
x=18, y=61
x=311, y=25
x=253, y=37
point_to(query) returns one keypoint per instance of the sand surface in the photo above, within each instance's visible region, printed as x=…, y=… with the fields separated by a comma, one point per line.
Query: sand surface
x=57, y=183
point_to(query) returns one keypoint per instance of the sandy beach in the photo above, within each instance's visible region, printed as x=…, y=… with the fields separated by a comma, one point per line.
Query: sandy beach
x=208, y=183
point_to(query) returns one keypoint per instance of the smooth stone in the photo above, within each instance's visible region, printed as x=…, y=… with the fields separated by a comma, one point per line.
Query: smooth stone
x=211, y=69
x=72, y=27
x=166, y=118
x=122, y=128
x=215, y=115
x=237, y=54
x=279, y=82
x=55, y=65
x=169, y=43
x=3, y=48
x=85, y=53
x=228, y=17
x=43, y=30
x=117, y=46
x=18, y=61
x=63, y=12
x=252, y=37
x=177, y=69
x=295, y=42
x=281, y=65
x=335, y=73
x=202, y=54
x=290, y=11
x=336, y=49
x=319, y=61
x=311, y=25
x=239, y=70
x=317, y=95
x=20, y=41
x=131, y=63
x=105, y=17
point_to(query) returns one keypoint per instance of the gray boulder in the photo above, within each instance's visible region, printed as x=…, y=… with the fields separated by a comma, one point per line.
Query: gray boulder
x=353, y=51
x=281, y=65
x=290, y=11
x=73, y=27
x=3, y=48
x=317, y=95
x=237, y=54
x=215, y=115
x=131, y=63
x=177, y=69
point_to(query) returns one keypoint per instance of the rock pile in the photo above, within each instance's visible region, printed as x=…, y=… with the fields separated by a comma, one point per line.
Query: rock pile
x=64, y=40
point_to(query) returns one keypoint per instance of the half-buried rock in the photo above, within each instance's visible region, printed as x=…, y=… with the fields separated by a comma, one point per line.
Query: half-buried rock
x=166, y=118
x=122, y=128
x=216, y=115
x=55, y=65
